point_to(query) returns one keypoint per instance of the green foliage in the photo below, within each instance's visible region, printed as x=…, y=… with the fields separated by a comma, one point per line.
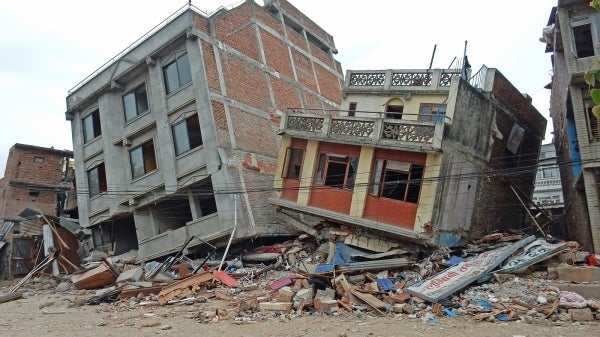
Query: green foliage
x=595, y=4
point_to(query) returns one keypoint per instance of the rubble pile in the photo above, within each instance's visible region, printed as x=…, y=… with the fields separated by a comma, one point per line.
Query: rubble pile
x=497, y=278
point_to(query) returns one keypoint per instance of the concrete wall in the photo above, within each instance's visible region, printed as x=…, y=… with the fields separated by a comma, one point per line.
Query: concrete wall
x=245, y=67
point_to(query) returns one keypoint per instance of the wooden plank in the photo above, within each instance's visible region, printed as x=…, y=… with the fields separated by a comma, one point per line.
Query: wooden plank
x=185, y=287
x=226, y=279
x=145, y=291
x=371, y=300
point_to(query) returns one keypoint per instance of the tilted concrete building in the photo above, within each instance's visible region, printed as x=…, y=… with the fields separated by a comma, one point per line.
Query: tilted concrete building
x=419, y=154
x=176, y=137
x=572, y=37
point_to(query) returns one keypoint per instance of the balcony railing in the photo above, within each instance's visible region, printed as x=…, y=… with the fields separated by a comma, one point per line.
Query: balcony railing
x=423, y=136
x=424, y=79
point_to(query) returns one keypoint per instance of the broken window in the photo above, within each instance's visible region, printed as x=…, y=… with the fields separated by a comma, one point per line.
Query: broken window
x=338, y=171
x=394, y=111
x=186, y=134
x=177, y=73
x=395, y=180
x=96, y=180
x=91, y=126
x=205, y=195
x=38, y=160
x=135, y=102
x=293, y=163
x=585, y=35
x=143, y=159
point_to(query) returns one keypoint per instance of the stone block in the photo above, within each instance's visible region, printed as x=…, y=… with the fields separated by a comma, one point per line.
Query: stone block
x=588, y=291
x=286, y=294
x=130, y=275
x=579, y=315
x=578, y=274
x=275, y=306
x=325, y=305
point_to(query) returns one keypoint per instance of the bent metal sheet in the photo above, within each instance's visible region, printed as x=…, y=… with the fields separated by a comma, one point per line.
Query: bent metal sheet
x=461, y=275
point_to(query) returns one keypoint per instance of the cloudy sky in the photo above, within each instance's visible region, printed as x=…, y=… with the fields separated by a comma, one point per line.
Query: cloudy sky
x=47, y=47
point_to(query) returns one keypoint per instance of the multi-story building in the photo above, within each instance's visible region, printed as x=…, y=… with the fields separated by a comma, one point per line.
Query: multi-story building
x=175, y=137
x=37, y=180
x=420, y=154
x=572, y=39
x=548, y=189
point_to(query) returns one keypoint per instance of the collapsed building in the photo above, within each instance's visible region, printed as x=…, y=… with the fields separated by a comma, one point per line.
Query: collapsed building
x=230, y=125
x=427, y=155
x=175, y=138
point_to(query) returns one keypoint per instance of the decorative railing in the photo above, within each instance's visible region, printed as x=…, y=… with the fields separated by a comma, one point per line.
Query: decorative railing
x=305, y=123
x=389, y=79
x=422, y=134
x=347, y=127
x=378, y=131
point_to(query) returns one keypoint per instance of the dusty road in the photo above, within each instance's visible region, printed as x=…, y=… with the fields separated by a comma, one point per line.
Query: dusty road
x=53, y=314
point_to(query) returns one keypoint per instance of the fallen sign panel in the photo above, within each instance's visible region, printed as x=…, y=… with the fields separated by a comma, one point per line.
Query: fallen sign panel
x=538, y=250
x=461, y=275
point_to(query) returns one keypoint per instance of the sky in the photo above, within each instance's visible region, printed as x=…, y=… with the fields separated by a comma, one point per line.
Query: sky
x=47, y=47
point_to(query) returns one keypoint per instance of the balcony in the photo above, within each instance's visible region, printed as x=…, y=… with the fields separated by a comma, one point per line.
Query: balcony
x=411, y=135
x=399, y=80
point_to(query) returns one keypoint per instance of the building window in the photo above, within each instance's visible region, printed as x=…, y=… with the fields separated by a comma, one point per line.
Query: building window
x=186, y=134
x=96, y=180
x=38, y=160
x=293, y=163
x=177, y=73
x=431, y=112
x=585, y=35
x=34, y=194
x=338, y=171
x=135, y=102
x=395, y=180
x=394, y=111
x=143, y=159
x=91, y=126
x=352, y=109
x=205, y=194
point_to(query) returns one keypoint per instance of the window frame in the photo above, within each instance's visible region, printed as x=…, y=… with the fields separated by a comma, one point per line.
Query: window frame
x=96, y=128
x=180, y=61
x=100, y=185
x=192, y=134
x=291, y=162
x=326, y=164
x=414, y=180
x=433, y=112
x=352, y=106
x=136, y=94
x=146, y=168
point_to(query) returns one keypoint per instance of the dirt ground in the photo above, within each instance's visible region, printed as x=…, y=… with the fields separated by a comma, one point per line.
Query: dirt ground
x=53, y=314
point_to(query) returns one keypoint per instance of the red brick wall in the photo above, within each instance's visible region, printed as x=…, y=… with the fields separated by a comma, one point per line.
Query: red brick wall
x=329, y=84
x=297, y=39
x=304, y=70
x=201, y=23
x=254, y=134
x=212, y=74
x=299, y=16
x=36, y=177
x=276, y=54
x=233, y=29
x=286, y=94
x=220, y=118
x=245, y=82
x=21, y=166
x=269, y=20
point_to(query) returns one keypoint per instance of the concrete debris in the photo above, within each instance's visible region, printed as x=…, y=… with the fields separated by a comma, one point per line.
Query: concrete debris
x=247, y=290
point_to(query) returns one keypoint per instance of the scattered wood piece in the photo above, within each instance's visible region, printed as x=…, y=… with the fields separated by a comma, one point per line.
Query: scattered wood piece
x=185, y=287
